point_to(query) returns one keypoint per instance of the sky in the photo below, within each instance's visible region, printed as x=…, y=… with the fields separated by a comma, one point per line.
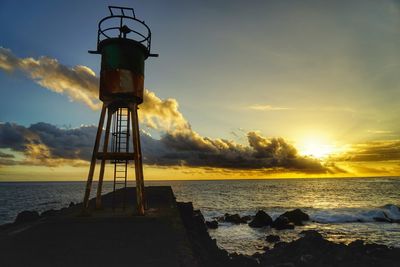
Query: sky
x=255, y=89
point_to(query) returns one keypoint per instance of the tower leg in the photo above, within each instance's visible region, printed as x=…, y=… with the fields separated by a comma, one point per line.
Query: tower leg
x=94, y=157
x=138, y=160
x=103, y=161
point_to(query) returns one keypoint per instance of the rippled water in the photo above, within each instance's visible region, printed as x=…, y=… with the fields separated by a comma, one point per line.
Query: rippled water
x=342, y=209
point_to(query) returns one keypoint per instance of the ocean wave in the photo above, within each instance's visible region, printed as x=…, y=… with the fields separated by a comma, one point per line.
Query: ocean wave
x=48, y=203
x=386, y=213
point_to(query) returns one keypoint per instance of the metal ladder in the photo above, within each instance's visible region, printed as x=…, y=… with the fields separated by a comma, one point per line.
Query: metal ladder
x=120, y=143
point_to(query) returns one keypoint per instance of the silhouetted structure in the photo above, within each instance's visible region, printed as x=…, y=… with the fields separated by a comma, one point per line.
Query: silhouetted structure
x=124, y=44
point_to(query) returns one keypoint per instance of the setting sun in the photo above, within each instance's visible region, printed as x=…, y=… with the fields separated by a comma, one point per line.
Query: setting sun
x=315, y=147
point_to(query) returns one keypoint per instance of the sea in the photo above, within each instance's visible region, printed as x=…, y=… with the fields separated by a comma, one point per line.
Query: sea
x=341, y=209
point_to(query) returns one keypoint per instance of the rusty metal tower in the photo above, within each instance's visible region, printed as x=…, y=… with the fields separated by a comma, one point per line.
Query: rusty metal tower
x=124, y=43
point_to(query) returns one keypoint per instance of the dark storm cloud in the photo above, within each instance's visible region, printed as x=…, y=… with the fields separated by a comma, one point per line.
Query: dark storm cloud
x=8, y=162
x=187, y=148
x=46, y=144
x=6, y=156
x=66, y=143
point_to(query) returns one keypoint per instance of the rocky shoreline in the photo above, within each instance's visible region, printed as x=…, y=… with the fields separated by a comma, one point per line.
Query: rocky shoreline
x=311, y=249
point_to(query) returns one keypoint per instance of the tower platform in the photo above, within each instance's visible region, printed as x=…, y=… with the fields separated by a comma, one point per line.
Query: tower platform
x=103, y=238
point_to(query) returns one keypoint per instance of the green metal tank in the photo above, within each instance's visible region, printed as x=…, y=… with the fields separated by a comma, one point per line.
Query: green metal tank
x=124, y=46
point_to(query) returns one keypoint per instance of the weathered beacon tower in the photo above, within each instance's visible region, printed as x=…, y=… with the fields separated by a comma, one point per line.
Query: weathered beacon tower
x=124, y=44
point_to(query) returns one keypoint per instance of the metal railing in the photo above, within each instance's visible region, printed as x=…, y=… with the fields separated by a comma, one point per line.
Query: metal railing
x=119, y=27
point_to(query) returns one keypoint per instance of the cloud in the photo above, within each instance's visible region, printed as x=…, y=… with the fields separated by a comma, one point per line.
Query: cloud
x=372, y=152
x=324, y=109
x=48, y=145
x=45, y=144
x=80, y=84
x=6, y=155
x=161, y=114
x=380, y=132
x=187, y=148
x=267, y=108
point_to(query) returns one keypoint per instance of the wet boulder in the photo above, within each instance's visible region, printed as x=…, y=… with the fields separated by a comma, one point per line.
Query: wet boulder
x=212, y=224
x=311, y=234
x=282, y=223
x=272, y=238
x=383, y=218
x=261, y=219
x=246, y=218
x=27, y=216
x=297, y=216
x=380, y=219
x=234, y=218
x=356, y=244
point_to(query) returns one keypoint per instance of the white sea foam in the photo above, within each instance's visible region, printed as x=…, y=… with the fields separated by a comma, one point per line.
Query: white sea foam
x=388, y=212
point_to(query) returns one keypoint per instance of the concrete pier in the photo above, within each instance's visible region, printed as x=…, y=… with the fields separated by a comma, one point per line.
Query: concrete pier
x=104, y=238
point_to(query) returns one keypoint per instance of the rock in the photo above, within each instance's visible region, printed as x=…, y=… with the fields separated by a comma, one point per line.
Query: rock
x=212, y=224
x=234, y=218
x=384, y=218
x=296, y=216
x=246, y=218
x=272, y=238
x=356, y=243
x=281, y=245
x=219, y=218
x=282, y=223
x=311, y=233
x=27, y=216
x=380, y=219
x=261, y=219
x=49, y=213
x=71, y=204
x=312, y=250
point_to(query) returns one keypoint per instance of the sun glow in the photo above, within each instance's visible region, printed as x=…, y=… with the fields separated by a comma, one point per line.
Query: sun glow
x=315, y=147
